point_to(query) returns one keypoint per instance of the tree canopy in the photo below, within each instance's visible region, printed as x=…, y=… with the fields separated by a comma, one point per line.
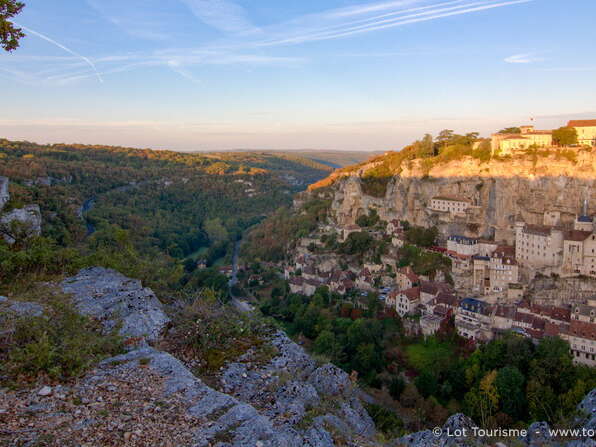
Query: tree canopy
x=9, y=33
x=565, y=136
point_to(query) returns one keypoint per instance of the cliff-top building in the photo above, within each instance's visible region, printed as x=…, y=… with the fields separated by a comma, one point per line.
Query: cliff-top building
x=508, y=143
x=586, y=131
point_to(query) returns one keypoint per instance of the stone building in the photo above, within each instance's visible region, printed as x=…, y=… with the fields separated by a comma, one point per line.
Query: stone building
x=581, y=336
x=506, y=144
x=407, y=301
x=579, y=253
x=463, y=245
x=448, y=204
x=586, y=131
x=538, y=246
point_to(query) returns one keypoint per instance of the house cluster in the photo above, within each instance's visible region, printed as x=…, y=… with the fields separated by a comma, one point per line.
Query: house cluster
x=490, y=267
x=476, y=319
x=487, y=298
x=508, y=143
x=310, y=272
x=551, y=247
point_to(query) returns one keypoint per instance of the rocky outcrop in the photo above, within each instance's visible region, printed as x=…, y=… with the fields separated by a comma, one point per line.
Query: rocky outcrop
x=285, y=401
x=17, y=224
x=20, y=308
x=501, y=192
x=292, y=391
x=116, y=300
x=459, y=430
x=4, y=195
x=21, y=223
x=587, y=409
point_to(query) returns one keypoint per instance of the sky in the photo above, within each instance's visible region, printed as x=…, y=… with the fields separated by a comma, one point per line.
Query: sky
x=294, y=74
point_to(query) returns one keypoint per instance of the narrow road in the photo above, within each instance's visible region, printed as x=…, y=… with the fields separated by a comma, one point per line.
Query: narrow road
x=240, y=303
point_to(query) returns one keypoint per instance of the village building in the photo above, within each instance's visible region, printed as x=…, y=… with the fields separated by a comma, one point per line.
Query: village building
x=430, y=324
x=579, y=253
x=365, y=280
x=473, y=319
x=584, y=223
x=502, y=269
x=538, y=246
x=581, y=336
x=586, y=131
x=407, y=301
x=406, y=278
x=399, y=240
x=430, y=290
x=462, y=245
x=507, y=144
x=448, y=204
x=584, y=313
x=394, y=227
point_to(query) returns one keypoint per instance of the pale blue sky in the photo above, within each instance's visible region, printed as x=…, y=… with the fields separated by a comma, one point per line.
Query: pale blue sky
x=332, y=74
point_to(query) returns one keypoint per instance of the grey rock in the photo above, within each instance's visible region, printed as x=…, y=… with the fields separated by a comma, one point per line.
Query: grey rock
x=4, y=194
x=354, y=414
x=424, y=438
x=587, y=408
x=112, y=298
x=24, y=221
x=292, y=400
x=318, y=437
x=25, y=309
x=45, y=391
x=538, y=434
x=331, y=380
x=3, y=299
x=581, y=443
x=455, y=423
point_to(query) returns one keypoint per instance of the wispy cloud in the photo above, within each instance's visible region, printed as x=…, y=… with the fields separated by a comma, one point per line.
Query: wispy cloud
x=246, y=44
x=65, y=48
x=523, y=58
x=223, y=15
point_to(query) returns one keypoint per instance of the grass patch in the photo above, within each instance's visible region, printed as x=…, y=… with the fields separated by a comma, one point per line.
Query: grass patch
x=60, y=344
x=386, y=421
x=429, y=354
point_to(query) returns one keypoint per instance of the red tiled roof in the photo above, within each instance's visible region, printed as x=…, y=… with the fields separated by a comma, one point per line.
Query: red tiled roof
x=412, y=294
x=582, y=329
x=446, y=299
x=429, y=287
x=582, y=123
x=577, y=235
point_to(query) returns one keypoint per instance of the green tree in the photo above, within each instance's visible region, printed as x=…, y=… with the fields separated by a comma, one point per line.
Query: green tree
x=326, y=344
x=427, y=383
x=215, y=230
x=396, y=387
x=509, y=130
x=565, y=136
x=9, y=34
x=510, y=388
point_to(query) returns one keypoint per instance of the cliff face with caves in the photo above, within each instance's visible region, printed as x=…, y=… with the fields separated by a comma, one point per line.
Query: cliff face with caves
x=501, y=192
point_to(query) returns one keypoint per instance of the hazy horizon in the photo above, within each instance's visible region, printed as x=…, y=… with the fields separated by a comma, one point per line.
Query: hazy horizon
x=212, y=75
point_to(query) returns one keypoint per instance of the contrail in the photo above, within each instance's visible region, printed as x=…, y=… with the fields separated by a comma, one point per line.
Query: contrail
x=68, y=50
x=430, y=12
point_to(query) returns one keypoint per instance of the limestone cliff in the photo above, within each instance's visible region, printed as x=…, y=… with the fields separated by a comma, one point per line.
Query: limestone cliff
x=501, y=192
x=4, y=195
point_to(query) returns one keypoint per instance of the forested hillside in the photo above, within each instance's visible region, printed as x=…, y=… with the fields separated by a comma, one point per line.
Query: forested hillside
x=141, y=210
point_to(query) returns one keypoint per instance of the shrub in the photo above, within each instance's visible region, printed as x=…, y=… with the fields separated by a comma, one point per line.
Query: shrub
x=385, y=420
x=61, y=344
